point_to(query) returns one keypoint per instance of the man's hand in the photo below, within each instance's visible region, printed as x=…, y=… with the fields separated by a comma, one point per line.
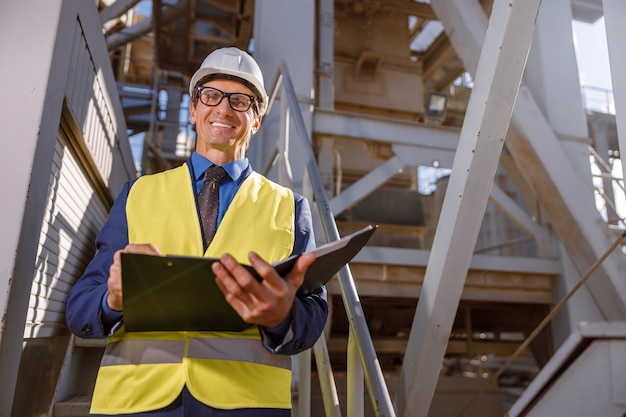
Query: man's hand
x=114, y=282
x=267, y=303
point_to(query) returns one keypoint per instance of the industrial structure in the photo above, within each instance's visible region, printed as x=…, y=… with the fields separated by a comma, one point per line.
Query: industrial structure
x=495, y=282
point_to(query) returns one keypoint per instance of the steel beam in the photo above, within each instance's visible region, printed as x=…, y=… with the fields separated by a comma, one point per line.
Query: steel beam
x=326, y=51
x=366, y=185
x=498, y=76
x=116, y=9
x=538, y=153
x=565, y=198
x=515, y=213
x=419, y=257
x=385, y=130
x=144, y=27
x=615, y=22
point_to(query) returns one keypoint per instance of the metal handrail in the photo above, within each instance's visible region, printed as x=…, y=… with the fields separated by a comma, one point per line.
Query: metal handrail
x=374, y=379
x=609, y=202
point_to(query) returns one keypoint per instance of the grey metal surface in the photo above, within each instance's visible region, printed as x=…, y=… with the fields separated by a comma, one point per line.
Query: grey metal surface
x=498, y=76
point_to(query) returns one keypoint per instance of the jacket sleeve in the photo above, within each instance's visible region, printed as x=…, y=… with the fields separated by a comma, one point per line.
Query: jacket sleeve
x=310, y=311
x=83, y=306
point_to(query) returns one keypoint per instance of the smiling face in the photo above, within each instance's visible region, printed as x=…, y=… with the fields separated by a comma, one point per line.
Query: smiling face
x=223, y=134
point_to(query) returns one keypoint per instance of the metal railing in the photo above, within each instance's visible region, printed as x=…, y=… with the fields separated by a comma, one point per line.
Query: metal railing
x=360, y=342
x=605, y=189
x=598, y=99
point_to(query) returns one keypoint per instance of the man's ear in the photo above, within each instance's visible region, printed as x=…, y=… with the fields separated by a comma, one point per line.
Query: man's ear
x=257, y=124
x=192, y=113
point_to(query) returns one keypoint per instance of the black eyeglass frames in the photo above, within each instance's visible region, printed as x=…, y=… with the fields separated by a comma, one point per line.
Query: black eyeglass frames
x=212, y=97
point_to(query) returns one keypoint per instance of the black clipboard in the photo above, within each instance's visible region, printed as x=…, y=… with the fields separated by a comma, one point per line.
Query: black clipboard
x=175, y=293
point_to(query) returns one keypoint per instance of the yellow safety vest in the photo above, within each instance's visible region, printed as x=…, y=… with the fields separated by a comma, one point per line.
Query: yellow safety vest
x=146, y=371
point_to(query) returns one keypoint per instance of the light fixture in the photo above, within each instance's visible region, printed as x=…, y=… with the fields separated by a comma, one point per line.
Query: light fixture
x=436, y=106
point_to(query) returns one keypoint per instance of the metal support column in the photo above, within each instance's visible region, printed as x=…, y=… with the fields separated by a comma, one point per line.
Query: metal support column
x=326, y=55
x=614, y=19
x=537, y=152
x=498, y=76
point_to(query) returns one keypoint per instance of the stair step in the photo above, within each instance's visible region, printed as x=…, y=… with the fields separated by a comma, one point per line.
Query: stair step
x=90, y=343
x=77, y=406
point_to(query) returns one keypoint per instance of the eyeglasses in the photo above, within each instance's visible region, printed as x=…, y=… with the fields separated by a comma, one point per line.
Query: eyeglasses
x=212, y=97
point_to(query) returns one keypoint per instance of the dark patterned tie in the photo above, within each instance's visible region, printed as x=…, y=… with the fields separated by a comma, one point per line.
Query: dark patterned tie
x=208, y=202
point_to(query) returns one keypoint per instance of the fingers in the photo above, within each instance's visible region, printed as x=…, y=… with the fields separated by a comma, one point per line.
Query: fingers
x=296, y=275
x=267, y=303
x=231, y=278
x=114, y=281
x=143, y=248
x=260, y=266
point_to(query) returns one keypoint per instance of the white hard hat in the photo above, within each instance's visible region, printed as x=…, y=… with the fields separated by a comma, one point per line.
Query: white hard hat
x=233, y=62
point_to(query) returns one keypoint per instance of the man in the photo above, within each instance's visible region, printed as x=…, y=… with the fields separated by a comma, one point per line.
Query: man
x=206, y=373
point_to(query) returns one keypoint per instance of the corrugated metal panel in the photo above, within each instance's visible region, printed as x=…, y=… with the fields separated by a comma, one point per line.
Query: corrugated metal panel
x=79, y=192
x=91, y=106
x=74, y=214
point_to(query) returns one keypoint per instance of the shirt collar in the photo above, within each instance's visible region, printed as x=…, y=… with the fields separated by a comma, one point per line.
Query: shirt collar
x=234, y=169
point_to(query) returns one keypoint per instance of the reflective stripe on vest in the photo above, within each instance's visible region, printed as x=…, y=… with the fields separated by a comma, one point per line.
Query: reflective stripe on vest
x=248, y=350
x=135, y=352
x=138, y=352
